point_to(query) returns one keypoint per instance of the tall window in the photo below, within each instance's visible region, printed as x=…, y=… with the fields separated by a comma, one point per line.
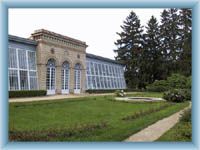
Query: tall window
x=65, y=75
x=50, y=78
x=77, y=76
x=22, y=69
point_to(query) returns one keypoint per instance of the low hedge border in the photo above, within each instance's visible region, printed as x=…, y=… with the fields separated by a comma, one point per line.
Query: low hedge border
x=27, y=93
x=102, y=91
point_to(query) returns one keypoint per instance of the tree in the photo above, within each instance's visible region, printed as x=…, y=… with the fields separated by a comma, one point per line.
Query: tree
x=170, y=40
x=185, y=21
x=129, y=48
x=152, y=56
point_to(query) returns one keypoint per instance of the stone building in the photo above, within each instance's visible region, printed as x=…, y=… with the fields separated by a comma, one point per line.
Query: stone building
x=60, y=65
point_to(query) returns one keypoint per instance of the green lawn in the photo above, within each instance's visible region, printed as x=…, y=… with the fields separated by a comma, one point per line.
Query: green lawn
x=82, y=119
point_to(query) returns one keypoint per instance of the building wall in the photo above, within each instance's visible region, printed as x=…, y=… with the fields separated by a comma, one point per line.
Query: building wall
x=60, y=52
x=50, y=45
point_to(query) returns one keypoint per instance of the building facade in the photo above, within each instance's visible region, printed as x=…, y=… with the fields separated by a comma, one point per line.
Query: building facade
x=60, y=65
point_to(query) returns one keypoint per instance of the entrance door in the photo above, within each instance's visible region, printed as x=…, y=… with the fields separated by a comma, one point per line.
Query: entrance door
x=77, y=77
x=65, y=78
x=50, y=78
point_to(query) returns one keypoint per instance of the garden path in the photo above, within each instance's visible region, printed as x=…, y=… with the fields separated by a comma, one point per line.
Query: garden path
x=53, y=97
x=156, y=130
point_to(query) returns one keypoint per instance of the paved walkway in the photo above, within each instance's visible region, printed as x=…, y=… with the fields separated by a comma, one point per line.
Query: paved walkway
x=54, y=97
x=156, y=130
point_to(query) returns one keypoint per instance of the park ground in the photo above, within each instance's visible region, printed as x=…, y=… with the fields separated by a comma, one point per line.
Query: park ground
x=91, y=118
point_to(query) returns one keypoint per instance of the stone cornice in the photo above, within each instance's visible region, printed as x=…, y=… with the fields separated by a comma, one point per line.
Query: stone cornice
x=58, y=38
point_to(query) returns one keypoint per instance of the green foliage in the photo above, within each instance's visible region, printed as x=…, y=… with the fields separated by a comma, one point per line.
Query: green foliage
x=186, y=116
x=177, y=95
x=158, y=86
x=31, y=93
x=189, y=82
x=175, y=81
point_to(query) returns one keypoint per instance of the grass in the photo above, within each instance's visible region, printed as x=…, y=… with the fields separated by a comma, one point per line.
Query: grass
x=182, y=131
x=84, y=119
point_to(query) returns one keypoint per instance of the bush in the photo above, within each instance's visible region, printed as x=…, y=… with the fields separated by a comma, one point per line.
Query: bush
x=187, y=94
x=31, y=93
x=175, y=81
x=189, y=82
x=158, y=86
x=186, y=116
x=175, y=95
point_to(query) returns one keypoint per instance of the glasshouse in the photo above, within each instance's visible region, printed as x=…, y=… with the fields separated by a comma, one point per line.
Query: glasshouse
x=60, y=65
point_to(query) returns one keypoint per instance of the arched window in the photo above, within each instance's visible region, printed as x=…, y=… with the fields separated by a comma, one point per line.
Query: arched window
x=50, y=76
x=65, y=77
x=77, y=78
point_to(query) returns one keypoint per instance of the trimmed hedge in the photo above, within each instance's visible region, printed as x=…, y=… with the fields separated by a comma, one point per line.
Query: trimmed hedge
x=101, y=91
x=27, y=93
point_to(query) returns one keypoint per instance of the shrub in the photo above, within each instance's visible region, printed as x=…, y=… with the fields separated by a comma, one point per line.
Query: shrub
x=186, y=116
x=187, y=94
x=189, y=82
x=174, y=95
x=31, y=93
x=175, y=81
x=158, y=86
x=120, y=93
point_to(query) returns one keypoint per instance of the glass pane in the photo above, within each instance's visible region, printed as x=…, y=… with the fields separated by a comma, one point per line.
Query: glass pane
x=31, y=60
x=24, y=80
x=12, y=58
x=22, y=59
x=13, y=80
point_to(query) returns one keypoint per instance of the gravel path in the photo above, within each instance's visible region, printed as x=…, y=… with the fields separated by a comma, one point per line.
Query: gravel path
x=54, y=97
x=154, y=131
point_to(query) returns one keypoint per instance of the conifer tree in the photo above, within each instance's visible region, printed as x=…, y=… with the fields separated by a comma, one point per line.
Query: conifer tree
x=129, y=48
x=185, y=22
x=152, y=56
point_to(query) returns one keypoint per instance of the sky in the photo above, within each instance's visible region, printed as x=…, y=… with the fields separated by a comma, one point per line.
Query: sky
x=96, y=27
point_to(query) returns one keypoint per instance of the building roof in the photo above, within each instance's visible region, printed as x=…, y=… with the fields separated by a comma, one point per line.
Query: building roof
x=59, y=36
x=102, y=58
x=22, y=40
x=33, y=42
